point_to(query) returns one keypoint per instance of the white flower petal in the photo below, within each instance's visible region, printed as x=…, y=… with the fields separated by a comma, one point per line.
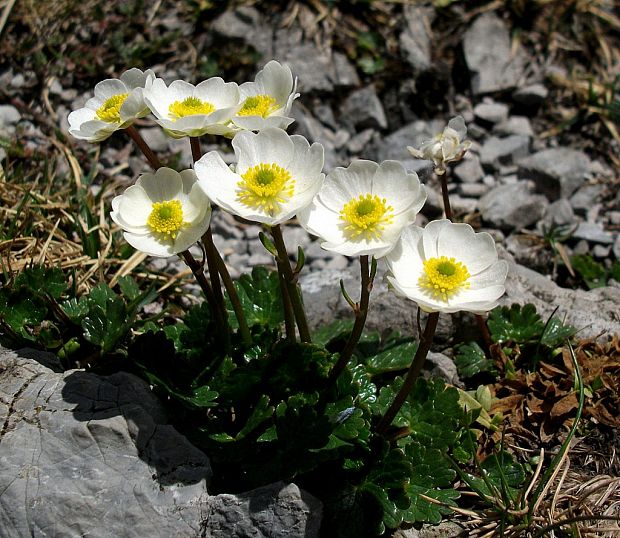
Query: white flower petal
x=258, y=123
x=136, y=78
x=150, y=245
x=431, y=236
x=217, y=92
x=403, y=190
x=458, y=125
x=165, y=184
x=277, y=80
x=476, y=250
x=109, y=88
x=134, y=206
x=268, y=146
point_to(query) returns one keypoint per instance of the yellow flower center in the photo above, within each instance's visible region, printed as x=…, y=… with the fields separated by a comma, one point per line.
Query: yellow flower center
x=366, y=216
x=258, y=105
x=110, y=111
x=265, y=186
x=444, y=277
x=166, y=219
x=190, y=106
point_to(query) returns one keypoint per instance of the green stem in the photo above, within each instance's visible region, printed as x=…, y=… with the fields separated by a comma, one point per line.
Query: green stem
x=144, y=147
x=234, y=298
x=361, y=312
x=413, y=373
x=291, y=284
x=289, y=315
x=207, y=240
x=199, y=274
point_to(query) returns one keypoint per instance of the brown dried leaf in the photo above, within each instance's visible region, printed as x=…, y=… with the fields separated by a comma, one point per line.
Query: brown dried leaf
x=564, y=406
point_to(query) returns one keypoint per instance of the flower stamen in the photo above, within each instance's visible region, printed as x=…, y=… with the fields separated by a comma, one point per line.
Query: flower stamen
x=110, y=111
x=444, y=277
x=166, y=219
x=190, y=106
x=265, y=186
x=258, y=105
x=366, y=216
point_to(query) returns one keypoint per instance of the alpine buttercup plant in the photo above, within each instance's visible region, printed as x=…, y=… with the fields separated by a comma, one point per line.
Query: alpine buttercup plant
x=116, y=105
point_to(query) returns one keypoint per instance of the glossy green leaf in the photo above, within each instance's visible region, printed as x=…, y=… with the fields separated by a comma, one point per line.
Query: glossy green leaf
x=519, y=324
x=556, y=333
x=260, y=298
x=393, y=359
x=41, y=280
x=470, y=360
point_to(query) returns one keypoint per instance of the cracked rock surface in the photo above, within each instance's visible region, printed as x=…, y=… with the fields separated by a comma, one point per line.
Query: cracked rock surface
x=89, y=455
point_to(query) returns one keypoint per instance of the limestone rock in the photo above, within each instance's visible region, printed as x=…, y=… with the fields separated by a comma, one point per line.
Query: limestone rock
x=89, y=455
x=512, y=206
x=557, y=172
x=489, y=56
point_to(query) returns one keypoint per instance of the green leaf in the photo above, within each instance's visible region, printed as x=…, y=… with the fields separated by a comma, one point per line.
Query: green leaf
x=100, y=295
x=40, y=280
x=106, y=326
x=129, y=288
x=394, y=359
x=592, y=272
x=556, y=333
x=336, y=330
x=367, y=390
x=432, y=477
x=503, y=476
x=260, y=298
x=203, y=397
x=350, y=422
x=75, y=309
x=20, y=309
x=432, y=411
x=470, y=360
x=517, y=324
x=261, y=413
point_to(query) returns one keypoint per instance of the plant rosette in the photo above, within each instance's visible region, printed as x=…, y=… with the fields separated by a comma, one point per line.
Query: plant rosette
x=361, y=210
x=163, y=213
x=116, y=105
x=447, y=267
x=276, y=175
x=267, y=101
x=448, y=146
x=183, y=109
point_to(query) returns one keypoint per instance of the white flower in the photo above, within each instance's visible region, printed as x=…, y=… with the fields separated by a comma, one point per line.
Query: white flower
x=276, y=175
x=267, y=101
x=362, y=209
x=447, y=146
x=183, y=109
x=447, y=267
x=163, y=213
x=116, y=105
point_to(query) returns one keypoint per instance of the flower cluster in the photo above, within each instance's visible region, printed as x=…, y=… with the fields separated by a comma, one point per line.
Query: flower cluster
x=365, y=209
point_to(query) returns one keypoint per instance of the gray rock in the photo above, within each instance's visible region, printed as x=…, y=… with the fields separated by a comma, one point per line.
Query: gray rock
x=582, y=247
x=357, y=143
x=79, y=453
x=504, y=151
x=362, y=109
x=246, y=23
x=89, y=455
x=530, y=250
x=616, y=247
x=531, y=95
x=559, y=213
x=515, y=125
x=475, y=190
x=345, y=75
x=593, y=312
x=469, y=169
x=276, y=510
x=414, y=40
x=585, y=198
x=446, y=529
x=9, y=115
x=593, y=232
x=512, y=206
x=491, y=112
x=439, y=365
x=295, y=236
x=614, y=217
x=601, y=252
x=557, y=172
x=313, y=66
x=489, y=55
